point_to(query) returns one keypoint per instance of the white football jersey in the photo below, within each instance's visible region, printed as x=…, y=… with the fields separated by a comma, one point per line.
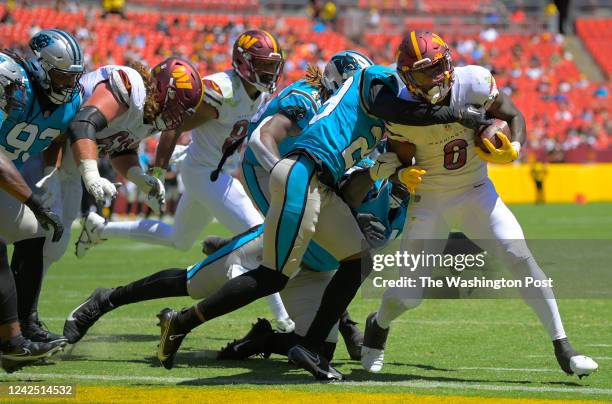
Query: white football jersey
x=127, y=130
x=225, y=92
x=447, y=151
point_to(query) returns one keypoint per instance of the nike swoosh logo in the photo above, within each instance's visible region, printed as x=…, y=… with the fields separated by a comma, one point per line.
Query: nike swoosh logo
x=70, y=316
x=237, y=346
x=315, y=359
x=25, y=352
x=176, y=336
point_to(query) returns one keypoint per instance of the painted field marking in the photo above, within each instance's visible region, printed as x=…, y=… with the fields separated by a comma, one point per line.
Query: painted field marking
x=367, y=383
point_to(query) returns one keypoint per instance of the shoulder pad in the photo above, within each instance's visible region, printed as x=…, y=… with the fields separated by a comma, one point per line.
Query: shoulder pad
x=120, y=85
x=218, y=88
x=482, y=87
x=212, y=93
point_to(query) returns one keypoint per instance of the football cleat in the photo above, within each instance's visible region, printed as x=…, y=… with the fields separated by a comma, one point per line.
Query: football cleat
x=571, y=361
x=36, y=331
x=85, y=315
x=90, y=234
x=25, y=352
x=314, y=363
x=254, y=343
x=353, y=338
x=285, y=326
x=373, y=350
x=170, y=338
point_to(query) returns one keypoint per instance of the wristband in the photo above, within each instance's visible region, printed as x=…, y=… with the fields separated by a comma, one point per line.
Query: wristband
x=517, y=147
x=89, y=171
x=33, y=202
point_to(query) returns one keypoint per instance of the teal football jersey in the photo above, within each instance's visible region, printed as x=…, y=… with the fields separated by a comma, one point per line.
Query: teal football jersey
x=343, y=132
x=299, y=102
x=28, y=131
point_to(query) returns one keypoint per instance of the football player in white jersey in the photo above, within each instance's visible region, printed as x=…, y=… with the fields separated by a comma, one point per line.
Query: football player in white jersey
x=220, y=123
x=453, y=189
x=122, y=106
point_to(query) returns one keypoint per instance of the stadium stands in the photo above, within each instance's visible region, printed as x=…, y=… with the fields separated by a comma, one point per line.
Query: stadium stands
x=564, y=111
x=596, y=33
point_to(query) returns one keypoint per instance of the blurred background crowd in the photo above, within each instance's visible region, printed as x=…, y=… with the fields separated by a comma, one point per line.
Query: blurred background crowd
x=552, y=57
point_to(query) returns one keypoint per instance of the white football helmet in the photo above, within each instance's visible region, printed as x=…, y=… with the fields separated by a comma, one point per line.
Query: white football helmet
x=341, y=66
x=57, y=64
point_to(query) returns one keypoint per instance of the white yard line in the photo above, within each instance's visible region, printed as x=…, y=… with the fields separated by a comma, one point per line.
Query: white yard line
x=600, y=345
x=600, y=358
x=524, y=370
x=367, y=383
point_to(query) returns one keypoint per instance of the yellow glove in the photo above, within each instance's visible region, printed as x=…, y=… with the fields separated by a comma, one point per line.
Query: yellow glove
x=411, y=177
x=507, y=153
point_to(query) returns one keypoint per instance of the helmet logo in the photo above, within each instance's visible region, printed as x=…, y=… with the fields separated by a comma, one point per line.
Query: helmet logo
x=182, y=78
x=40, y=41
x=246, y=41
x=436, y=39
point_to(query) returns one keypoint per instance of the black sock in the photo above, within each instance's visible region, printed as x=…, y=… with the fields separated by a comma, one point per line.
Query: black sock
x=28, y=269
x=8, y=294
x=336, y=298
x=166, y=283
x=236, y=293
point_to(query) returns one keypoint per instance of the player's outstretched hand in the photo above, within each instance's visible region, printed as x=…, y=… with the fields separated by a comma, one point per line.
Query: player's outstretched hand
x=372, y=228
x=101, y=189
x=473, y=117
x=46, y=217
x=411, y=177
x=156, y=195
x=507, y=152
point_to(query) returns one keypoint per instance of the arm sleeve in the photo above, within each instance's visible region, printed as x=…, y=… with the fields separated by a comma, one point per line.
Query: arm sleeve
x=385, y=104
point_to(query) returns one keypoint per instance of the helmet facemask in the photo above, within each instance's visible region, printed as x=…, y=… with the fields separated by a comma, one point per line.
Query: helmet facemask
x=263, y=72
x=62, y=86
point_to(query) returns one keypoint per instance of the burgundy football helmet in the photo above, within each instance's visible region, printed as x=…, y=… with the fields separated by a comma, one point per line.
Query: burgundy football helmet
x=424, y=64
x=179, y=91
x=257, y=58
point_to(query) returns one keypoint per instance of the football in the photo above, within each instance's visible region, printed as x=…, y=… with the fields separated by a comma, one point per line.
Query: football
x=488, y=132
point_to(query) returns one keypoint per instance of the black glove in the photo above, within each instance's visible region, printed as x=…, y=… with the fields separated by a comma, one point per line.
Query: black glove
x=45, y=216
x=372, y=228
x=472, y=117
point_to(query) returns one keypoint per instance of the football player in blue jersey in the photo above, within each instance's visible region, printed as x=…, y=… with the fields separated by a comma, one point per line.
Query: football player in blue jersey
x=296, y=105
x=34, y=116
x=228, y=258
x=303, y=201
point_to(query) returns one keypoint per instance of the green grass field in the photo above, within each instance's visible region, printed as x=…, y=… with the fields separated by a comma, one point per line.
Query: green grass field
x=484, y=348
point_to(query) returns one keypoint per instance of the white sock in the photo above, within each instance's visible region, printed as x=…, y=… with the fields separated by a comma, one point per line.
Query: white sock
x=541, y=300
x=148, y=231
x=277, y=307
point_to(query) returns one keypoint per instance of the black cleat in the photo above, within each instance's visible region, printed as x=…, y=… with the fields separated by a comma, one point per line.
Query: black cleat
x=36, y=331
x=254, y=343
x=25, y=352
x=570, y=361
x=170, y=338
x=314, y=363
x=353, y=338
x=84, y=316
